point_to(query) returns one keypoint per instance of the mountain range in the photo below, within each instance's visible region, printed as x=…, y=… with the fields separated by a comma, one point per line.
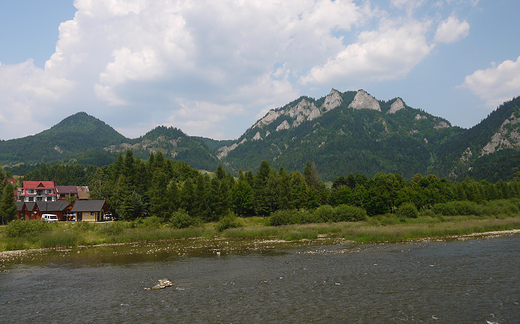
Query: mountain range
x=342, y=133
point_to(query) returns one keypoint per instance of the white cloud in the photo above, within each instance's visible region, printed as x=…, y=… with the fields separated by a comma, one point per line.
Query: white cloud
x=128, y=61
x=388, y=53
x=496, y=84
x=202, y=118
x=27, y=98
x=451, y=30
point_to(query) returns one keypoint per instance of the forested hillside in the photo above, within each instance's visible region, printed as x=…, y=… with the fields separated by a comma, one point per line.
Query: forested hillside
x=341, y=133
x=79, y=138
x=341, y=139
x=161, y=187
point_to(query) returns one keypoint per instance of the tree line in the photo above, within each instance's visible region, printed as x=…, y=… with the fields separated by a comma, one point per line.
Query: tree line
x=134, y=188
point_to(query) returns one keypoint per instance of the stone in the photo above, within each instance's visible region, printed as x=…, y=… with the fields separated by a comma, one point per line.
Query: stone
x=363, y=100
x=163, y=283
x=333, y=100
x=396, y=106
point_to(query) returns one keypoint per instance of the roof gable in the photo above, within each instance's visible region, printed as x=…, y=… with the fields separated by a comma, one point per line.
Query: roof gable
x=50, y=206
x=89, y=206
x=66, y=189
x=38, y=184
x=31, y=206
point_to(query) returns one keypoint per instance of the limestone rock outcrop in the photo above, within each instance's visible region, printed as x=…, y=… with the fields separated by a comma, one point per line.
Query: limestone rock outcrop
x=507, y=136
x=333, y=100
x=396, y=106
x=363, y=100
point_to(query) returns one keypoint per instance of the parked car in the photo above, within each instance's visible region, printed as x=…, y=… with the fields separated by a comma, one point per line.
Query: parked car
x=49, y=218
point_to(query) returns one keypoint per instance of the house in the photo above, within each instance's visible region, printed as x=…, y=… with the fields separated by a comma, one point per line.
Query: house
x=60, y=208
x=11, y=180
x=35, y=210
x=90, y=210
x=65, y=192
x=33, y=191
x=21, y=210
x=78, y=192
x=32, y=212
x=83, y=192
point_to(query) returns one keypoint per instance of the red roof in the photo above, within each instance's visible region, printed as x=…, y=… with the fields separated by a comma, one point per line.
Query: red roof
x=38, y=184
x=11, y=180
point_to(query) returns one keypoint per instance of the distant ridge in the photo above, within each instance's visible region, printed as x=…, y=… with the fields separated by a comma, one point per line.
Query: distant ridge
x=343, y=132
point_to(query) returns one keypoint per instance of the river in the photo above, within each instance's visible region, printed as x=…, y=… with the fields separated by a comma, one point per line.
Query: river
x=460, y=281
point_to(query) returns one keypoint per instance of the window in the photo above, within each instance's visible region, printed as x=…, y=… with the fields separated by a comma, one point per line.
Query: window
x=49, y=198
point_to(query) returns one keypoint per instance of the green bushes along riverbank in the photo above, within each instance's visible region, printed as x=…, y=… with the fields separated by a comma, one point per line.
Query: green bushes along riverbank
x=290, y=225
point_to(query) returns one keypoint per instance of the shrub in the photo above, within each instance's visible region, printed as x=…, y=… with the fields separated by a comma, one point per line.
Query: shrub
x=284, y=217
x=151, y=222
x=307, y=217
x=407, y=210
x=229, y=221
x=18, y=228
x=455, y=208
x=324, y=214
x=346, y=213
x=428, y=212
x=181, y=219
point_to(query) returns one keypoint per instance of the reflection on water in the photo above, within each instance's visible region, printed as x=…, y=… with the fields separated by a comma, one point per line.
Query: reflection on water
x=474, y=281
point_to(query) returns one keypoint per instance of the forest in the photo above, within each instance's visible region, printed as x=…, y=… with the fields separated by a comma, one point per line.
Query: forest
x=163, y=188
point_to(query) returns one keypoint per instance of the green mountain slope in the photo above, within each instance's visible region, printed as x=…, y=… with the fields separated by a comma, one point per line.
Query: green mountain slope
x=343, y=133
x=487, y=151
x=174, y=144
x=77, y=136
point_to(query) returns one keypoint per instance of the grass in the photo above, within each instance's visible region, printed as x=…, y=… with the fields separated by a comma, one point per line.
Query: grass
x=383, y=228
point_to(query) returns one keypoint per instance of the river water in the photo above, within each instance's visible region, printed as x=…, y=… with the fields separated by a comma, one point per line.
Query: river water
x=470, y=281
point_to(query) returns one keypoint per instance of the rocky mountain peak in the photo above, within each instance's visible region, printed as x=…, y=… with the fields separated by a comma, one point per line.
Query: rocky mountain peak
x=333, y=100
x=507, y=136
x=363, y=100
x=396, y=106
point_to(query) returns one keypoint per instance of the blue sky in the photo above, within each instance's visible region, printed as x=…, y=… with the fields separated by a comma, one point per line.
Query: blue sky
x=212, y=68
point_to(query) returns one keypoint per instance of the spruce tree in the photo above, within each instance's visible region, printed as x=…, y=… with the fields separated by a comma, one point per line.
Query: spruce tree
x=7, y=204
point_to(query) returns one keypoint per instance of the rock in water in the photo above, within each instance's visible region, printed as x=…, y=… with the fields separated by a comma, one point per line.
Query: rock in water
x=163, y=283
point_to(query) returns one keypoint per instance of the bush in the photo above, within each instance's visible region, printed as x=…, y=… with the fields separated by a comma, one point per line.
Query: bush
x=456, y=208
x=407, y=210
x=151, y=222
x=496, y=207
x=428, y=212
x=346, y=213
x=324, y=214
x=283, y=217
x=304, y=216
x=19, y=228
x=229, y=221
x=181, y=219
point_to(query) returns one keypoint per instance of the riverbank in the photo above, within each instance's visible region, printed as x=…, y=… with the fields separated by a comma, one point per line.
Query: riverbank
x=375, y=230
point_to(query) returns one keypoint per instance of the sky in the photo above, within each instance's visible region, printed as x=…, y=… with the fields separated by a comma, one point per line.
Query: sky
x=213, y=68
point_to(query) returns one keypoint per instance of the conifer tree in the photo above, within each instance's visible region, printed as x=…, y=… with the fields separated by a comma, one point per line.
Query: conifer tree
x=7, y=204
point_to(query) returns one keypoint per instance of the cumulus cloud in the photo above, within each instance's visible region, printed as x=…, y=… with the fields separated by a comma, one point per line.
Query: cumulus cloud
x=451, y=30
x=204, y=64
x=496, y=84
x=388, y=53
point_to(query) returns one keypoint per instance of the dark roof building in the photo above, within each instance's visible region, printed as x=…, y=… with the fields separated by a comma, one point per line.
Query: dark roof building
x=90, y=210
